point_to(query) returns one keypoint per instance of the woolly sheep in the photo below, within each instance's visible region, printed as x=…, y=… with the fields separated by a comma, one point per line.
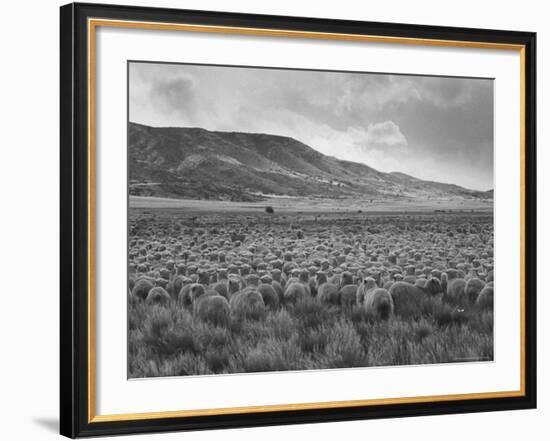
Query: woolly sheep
x=367, y=284
x=312, y=285
x=485, y=298
x=421, y=283
x=131, y=283
x=233, y=285
x=456, y=292
x=379, y=303
x=247, y=303
x=295, y=291
x=407, y=299
x=327, y=292
x=189, y=293
x=432, y=287
x=221, y=288
x=252, y=280
x=278, y=289
x=472, y=289
x=213, y=309
x=204, y=277
x=163, y=283
x=269, y=295
x=165, y=273
x=346, y=279
x=141, y=288
x=158, y=295
x=177, y=284
x=451, y=274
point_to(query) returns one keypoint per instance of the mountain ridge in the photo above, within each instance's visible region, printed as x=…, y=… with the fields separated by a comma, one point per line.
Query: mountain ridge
x=195, y=163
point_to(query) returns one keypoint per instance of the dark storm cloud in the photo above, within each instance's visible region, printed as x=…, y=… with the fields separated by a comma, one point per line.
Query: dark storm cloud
x=433, y=128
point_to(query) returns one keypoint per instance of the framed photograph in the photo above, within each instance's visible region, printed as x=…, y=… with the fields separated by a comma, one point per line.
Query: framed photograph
x=273, y=220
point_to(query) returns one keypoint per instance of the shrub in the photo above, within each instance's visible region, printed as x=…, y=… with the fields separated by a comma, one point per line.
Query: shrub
x=310, y=313
x=280, y=324
x=313, y=340
x=345, y=348
x=266, y=357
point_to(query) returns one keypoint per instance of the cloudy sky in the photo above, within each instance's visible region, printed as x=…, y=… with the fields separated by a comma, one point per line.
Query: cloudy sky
x=433, y=128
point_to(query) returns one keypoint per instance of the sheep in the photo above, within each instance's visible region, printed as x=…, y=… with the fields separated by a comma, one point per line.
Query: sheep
x=432, y=287
x=141, y=288
x=247, y=303
x=252, y=280
x=295, y=291
x=473, y=288
x=456, y=292
x=158, y=295
x=165, y=273
x=421, y=283
x=366, y=284
x=278, y=289
x=163, y=283
x=181, y=269
x=221, y=288
x=312, y=284
x=485, y=298
x=276, y=276
x=177, y=283
x=379, y=303
x=303, y=278
x=327, y=292
x=407, y=300
x=204, y=277
x=233, y=285
x=131, y=283
x=452, y=273
x=269, y=295
x=348, y=295
x=189, y=293
x=213, y=309
x=444, y=281
x=346, y=278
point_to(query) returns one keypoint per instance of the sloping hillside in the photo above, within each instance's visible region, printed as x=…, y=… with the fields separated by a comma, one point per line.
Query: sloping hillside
x=194, y=163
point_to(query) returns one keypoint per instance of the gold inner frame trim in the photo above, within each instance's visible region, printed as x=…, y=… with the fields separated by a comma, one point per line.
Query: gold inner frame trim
x=92, y=25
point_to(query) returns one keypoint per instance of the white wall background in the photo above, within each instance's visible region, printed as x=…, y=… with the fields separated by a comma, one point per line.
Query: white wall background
x=29, y=317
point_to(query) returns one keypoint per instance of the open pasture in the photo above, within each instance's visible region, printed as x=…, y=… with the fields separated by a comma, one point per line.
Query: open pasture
x=230, y=292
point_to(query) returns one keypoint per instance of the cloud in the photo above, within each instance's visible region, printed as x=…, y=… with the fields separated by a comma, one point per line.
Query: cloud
x=174, y=95
x=385, y=133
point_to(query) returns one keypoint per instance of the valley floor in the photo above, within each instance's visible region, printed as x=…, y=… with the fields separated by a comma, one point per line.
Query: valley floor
x=314, y=205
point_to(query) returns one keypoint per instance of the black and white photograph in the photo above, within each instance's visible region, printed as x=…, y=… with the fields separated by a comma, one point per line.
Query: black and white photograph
x=290, y=220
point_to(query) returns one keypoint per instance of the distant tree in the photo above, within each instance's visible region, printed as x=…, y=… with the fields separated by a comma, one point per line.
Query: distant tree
x=269, y=210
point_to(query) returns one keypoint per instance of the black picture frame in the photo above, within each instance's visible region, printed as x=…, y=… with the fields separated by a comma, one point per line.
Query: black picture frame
x=74, y=221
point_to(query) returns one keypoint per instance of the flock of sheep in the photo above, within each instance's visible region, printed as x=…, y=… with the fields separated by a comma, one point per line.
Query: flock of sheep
x=220, y=267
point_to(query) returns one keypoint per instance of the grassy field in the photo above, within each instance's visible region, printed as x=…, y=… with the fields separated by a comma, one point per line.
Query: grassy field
x=168, y=339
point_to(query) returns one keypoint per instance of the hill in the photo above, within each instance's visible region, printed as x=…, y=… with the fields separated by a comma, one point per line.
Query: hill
x=194, y=163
